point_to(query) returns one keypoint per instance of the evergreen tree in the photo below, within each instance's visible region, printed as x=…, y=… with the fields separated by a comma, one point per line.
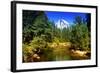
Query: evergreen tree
x=80, y=37
x=35, y=23
x=78, y=20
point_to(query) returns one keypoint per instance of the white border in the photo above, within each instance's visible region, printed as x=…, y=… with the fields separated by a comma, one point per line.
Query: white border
x=38, y=65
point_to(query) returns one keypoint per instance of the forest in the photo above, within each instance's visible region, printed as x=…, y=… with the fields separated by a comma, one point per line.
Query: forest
x=43, y=41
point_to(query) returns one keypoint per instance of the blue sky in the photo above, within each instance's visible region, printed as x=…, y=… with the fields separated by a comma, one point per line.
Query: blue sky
x=68, y=16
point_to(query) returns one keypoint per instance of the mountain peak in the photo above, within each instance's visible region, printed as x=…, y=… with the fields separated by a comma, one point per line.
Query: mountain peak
x=61, y=23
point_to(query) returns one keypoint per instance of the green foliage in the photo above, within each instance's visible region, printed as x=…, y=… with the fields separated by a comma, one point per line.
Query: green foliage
x=66, y=34
x=38, y=42
x=37, y=27
x=80, y=36
x=28, y=19
x=26, y=52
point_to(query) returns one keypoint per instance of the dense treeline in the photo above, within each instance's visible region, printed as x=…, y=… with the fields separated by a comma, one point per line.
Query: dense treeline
x=40, y=34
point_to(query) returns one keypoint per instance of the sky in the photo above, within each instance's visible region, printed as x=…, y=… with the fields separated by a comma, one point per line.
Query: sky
x=68, y=16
